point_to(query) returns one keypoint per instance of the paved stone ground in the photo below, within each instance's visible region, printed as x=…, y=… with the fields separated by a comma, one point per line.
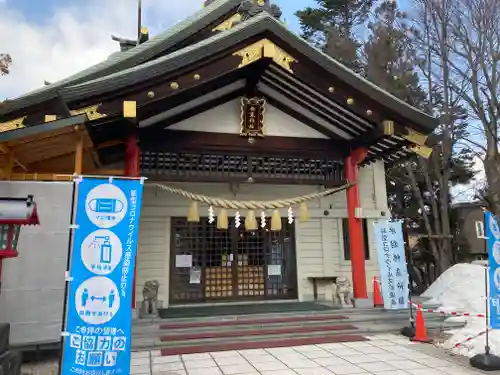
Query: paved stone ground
x=383, y=355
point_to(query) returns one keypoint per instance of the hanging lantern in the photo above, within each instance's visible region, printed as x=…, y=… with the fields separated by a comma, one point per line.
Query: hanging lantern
x=193, y=214
x=222, y=220
x=14, y=213
x=251, y=221
x=303, y=212
x=276, y=221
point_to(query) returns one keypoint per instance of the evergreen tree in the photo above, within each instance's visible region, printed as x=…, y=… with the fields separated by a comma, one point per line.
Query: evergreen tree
x=332, y=25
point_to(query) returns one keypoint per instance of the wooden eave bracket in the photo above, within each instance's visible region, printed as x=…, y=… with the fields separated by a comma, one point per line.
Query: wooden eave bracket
x=265, y=49
x=417, y=140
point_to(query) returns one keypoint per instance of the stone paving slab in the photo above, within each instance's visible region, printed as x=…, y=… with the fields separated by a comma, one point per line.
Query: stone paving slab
x=382, y=355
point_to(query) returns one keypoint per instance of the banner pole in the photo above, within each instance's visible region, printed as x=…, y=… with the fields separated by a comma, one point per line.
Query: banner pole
x=68, y=263
x=409, y=331
x=487, y=315
x=487, y=361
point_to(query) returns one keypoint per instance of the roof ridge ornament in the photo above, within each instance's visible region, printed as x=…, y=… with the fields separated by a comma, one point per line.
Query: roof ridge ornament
x=251, y=8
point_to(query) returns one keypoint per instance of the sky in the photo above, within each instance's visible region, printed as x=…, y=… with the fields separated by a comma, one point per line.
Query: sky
x=51, y=39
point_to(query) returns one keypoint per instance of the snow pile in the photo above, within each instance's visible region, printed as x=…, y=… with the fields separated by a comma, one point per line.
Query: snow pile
x=461, y=288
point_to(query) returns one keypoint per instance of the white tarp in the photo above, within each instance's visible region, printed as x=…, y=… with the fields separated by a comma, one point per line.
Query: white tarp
x=31, y=297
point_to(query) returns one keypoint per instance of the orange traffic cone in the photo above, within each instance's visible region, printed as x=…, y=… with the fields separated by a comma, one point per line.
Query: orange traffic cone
x=377, y=296
x=420, y=330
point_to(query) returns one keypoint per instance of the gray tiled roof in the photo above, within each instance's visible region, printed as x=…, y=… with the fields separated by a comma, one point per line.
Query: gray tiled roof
x=218, y=42
x=133, y=56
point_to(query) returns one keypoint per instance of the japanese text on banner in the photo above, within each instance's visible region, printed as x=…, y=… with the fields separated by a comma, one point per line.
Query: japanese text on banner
x=392, y=263
x=100, y=293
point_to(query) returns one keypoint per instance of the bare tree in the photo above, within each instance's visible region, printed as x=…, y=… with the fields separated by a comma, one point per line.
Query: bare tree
x=433, y=30
x=469, y=52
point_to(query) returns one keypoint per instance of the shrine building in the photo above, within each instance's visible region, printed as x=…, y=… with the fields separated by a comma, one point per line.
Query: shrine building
x=228, y=104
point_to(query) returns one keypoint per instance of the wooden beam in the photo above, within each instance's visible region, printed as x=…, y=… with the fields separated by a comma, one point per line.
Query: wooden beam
x=156, y=90
x=191, y=141
x=61, y=177
x=7, y=150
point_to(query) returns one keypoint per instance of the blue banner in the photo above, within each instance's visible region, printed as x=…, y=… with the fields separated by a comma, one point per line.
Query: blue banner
x=392, y=263
x=492, y=233
x=99, y=305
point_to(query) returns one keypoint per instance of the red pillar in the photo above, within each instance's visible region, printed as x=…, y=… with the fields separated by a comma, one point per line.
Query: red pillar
x=132, y=169
x=355, y=224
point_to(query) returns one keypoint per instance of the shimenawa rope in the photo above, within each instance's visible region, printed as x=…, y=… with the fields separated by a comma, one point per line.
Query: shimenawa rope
x=251, y=205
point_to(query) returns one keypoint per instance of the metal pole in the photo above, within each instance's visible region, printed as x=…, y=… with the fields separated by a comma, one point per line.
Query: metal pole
x=139, y=22
x=487, y=315
x=68, y=264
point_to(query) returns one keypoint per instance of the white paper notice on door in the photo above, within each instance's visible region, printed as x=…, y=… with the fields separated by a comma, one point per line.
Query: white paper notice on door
x=195, y=276
x=274, y=270
x=184, y=261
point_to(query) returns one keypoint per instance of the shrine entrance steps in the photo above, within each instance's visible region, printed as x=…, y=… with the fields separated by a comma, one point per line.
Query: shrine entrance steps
x=255, y=331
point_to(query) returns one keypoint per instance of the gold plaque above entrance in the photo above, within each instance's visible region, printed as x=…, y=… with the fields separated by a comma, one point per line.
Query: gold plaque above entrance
x=252, y=117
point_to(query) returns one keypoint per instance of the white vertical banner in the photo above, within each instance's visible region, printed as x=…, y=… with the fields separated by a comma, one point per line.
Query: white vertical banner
x=392, y=263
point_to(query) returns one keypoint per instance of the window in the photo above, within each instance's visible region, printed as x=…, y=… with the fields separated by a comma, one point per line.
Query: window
x=347, y=245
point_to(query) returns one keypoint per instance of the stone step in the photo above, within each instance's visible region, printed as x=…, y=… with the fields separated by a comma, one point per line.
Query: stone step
x=263, y=331
x=270, y=343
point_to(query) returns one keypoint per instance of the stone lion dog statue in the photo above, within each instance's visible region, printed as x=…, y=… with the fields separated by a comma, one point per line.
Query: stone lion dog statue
x=150, y=297
x=343, y=292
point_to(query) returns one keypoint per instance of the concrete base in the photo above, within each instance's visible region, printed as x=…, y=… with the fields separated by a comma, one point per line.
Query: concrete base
x=10, y=363
x=408, y=331
x=363, y=303
x=485, y=362
x=4, y=337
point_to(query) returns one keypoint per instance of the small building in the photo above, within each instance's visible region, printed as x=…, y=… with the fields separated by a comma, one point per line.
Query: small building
x=228, y=103
x=468, y=215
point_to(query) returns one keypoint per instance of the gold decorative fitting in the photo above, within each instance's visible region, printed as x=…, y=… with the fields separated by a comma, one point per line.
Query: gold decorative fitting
x=129, y=109
x=331, y=89
x=252, y=117
x=423, y=151
x=12, y=125
x=49, y=118
x=91, y=112
x=388, y=127
x=151, y=94
x=229, y=23
x=174, y=85
x=369, y=112
x=415, y=137
x=196, y=77
x=265, y=48
x=144, y=30
x=350, y=101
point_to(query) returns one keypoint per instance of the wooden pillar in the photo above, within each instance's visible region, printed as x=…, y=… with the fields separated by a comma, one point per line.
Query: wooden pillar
x=9, y=166
x=355, y=224
x=132, y=169
x=79, y=153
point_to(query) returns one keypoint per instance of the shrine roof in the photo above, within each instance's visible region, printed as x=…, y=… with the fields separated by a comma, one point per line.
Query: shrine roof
x=258, y=25
x=156, y=46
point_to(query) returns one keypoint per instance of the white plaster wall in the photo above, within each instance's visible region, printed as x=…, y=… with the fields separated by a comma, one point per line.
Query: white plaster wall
x=226, y=119
x=319, y=244
x=31, y=297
